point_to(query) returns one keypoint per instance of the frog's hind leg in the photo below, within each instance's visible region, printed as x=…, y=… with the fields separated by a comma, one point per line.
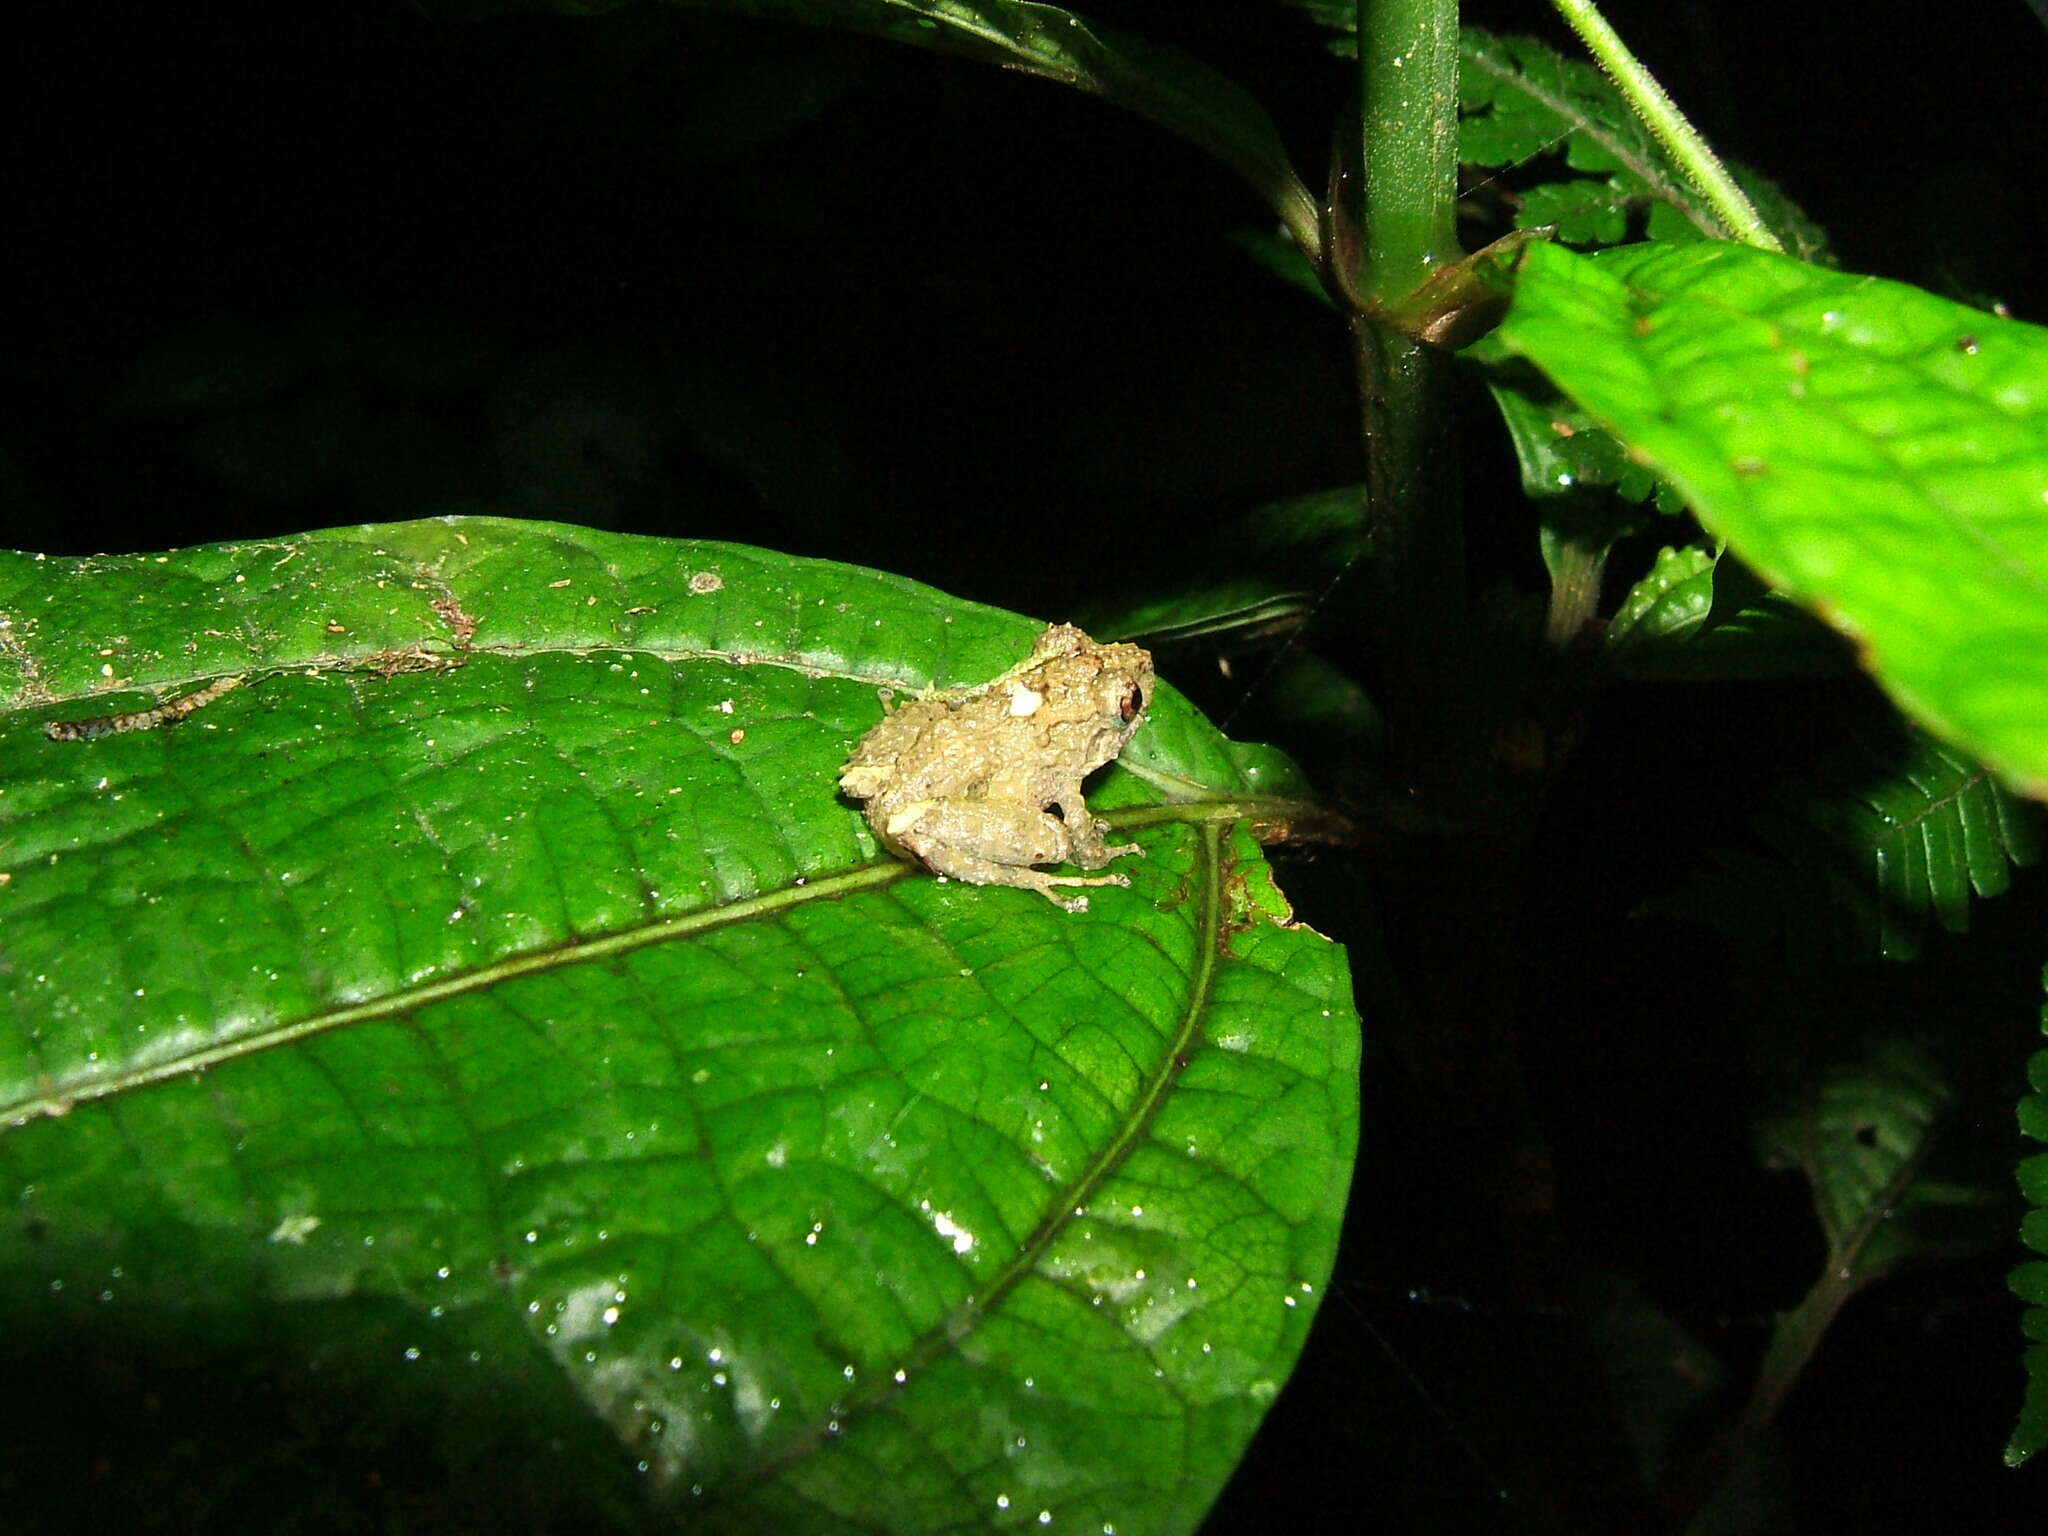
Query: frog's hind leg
x=1038, y=880
x=958, y=864
x=1044, y=883
x=986, y=842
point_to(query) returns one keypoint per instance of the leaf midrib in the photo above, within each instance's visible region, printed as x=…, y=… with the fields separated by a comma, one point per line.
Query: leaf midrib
x=58, y=1099
x=55, y=1102
x=443, y=655
x=1069, y=1205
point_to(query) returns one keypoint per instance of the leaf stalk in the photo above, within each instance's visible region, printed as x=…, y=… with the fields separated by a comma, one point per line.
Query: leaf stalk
x=1653, y=104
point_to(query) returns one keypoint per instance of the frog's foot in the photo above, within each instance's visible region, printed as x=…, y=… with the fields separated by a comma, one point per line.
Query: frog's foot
x=1072, y=903
x=959, y=863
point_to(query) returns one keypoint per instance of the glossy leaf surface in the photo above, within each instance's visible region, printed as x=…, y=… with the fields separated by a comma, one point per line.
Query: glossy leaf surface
x=1877, y=453
x=1693, y=616
x=492, y=1004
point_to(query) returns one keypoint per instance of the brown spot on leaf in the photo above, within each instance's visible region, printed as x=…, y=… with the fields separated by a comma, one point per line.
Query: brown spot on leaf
x=459, y=621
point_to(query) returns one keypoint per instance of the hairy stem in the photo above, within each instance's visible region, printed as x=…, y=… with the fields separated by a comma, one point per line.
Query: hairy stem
x=1651, y=103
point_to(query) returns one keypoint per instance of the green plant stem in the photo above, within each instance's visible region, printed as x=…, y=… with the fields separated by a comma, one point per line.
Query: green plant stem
x=1416, y=543
x=1408, y=105
x=1660, y=113
x=1576, y=566
x=1794, y=1341
x=1407, y=211
x=1796, y=1338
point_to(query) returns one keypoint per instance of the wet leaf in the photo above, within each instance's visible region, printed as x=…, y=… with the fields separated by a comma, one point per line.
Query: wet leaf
x=1878, y=454
x=487, y=1029
x=1698, y=616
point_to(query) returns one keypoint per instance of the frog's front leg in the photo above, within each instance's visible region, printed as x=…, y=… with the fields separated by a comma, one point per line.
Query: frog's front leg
x=987, y=842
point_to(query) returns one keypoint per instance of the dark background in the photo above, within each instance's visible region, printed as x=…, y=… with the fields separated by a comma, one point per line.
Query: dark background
x=276, y=268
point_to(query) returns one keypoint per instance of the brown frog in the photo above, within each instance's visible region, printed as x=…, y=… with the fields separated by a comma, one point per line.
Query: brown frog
x=961, y=782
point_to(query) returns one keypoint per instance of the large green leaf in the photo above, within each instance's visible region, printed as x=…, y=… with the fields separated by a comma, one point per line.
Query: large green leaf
x=488, y=1026
x=1879, y=454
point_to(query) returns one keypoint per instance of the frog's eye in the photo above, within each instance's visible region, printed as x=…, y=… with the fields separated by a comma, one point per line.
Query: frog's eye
x=1131, y=704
